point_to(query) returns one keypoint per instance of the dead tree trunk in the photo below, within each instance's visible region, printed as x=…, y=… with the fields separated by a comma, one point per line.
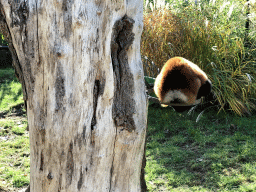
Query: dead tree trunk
x=80, y=66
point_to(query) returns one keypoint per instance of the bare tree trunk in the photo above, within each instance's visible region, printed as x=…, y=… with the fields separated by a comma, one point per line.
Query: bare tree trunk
x=81, y=70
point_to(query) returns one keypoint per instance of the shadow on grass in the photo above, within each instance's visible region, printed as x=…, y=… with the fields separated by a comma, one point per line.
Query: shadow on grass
x=214, y=154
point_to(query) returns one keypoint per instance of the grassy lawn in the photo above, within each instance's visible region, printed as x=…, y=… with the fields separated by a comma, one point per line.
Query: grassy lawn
x=216, y=153
x=10, y=90
x=14, y=139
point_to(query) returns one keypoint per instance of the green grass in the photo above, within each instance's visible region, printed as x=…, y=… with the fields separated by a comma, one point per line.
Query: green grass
x=14, y=139
x=218, y=153
x=215, y=153
x=11, y=126
x=14, y=153
x=10, y=90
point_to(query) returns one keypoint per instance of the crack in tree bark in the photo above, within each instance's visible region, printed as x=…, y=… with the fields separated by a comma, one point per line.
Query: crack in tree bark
x=95, y=102
x=112, y=165
x=59, y=89
x=81, y=179
x=42, y=161
x=70, y=164
x=124, y=105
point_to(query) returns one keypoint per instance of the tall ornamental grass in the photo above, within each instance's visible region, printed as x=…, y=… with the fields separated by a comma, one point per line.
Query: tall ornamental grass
x=212, y=34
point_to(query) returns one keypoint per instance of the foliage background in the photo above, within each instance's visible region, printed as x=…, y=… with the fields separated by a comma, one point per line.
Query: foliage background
x=211, y=34
x=2, y=41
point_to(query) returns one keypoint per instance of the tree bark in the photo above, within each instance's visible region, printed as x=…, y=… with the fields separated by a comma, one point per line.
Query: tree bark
x=80, y=66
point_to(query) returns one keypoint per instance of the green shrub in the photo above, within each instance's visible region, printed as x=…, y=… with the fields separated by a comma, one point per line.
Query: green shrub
x=212, y=35
x=2, y=41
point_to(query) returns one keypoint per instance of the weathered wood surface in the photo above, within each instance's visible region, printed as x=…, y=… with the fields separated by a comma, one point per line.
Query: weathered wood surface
x=81, y=70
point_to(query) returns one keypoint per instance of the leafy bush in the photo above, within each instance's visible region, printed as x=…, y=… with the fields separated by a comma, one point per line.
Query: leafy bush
x=211, y=34
x=2, y=41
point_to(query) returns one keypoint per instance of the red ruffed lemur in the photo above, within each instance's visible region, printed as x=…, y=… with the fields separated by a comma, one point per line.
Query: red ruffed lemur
x=181, y=84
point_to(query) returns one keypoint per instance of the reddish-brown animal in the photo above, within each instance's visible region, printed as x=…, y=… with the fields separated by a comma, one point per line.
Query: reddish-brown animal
x=181, y=83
